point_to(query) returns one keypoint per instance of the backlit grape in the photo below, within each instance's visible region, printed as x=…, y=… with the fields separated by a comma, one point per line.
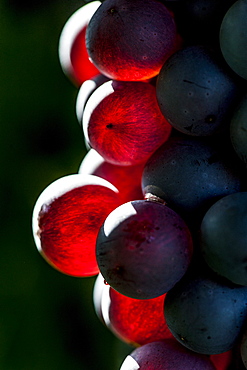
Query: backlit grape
x=143, y=249
x=134, y=321
x=73, y=55
x=66, y=219
x=130, y=40
x=127, y=179
x=122, y=122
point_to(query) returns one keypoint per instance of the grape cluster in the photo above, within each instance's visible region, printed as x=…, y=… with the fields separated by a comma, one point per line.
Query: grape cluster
x=157, y=212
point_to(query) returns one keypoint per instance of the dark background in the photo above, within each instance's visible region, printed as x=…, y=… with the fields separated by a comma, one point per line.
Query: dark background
x=47, y=320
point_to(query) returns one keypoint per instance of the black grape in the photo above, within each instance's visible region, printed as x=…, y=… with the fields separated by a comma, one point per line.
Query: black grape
x=233, y=37
x=191, y=174
x=143, y=249
x=197, y=91
x=166, y=355
x=224, y=237
x=206, y=314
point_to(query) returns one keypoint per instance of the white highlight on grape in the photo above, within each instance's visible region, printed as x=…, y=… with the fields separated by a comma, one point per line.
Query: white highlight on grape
x=77, y=21
x=105, y=304
x=117, y=216
x=84, y=92
x=90, y=162
x=129, y=364
x=57, y=189
x=97, y=96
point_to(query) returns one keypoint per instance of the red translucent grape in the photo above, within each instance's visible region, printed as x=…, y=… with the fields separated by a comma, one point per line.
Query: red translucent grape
x=122, y=121
x=127, y=179
x=66, y=219
x=134, y=321
x=73, y=55
x=166, y=355
x=143, y=249
x=130, y=40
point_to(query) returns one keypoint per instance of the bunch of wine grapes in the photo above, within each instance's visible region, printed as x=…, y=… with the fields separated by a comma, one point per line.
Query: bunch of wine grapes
x=157, y=213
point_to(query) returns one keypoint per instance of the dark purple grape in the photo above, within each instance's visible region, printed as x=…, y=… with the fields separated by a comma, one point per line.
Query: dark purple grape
x=190, y=174
x=233, y=37
x=143, y=249
x=206, y=314
x=130, y=40
x=166, y=355
x=224, y=237
x=197, y=92
x=238, y=130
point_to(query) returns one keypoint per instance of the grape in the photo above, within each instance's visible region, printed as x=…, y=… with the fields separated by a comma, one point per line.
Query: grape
x=158, y=208
x=191, y=174
x=66, y=220
x=73, y=55
x=224, y=237
x=143, y=249
x=127, y=179
x=117, y=115
x=134, y=321
x=238, y=130
x=197, y=92
x=233, y=37
x=85, y=91
x=165, y=355
x=204, y=313
x=130, y=40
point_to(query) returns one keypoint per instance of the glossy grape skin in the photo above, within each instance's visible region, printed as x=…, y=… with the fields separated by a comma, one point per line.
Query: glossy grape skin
x=238, y=130
x=66, y=219
x=197, y=92
x=127, y=179
x=117, y=115
x=165, y=355
x=223, y=237
x=233, y=37
x=72, y=52
x=130, y=40
x=191, y=174
x=143, y=249
x=206, y=314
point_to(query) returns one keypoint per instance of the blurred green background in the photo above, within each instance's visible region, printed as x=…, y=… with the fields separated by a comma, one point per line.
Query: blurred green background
x=47, y=320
